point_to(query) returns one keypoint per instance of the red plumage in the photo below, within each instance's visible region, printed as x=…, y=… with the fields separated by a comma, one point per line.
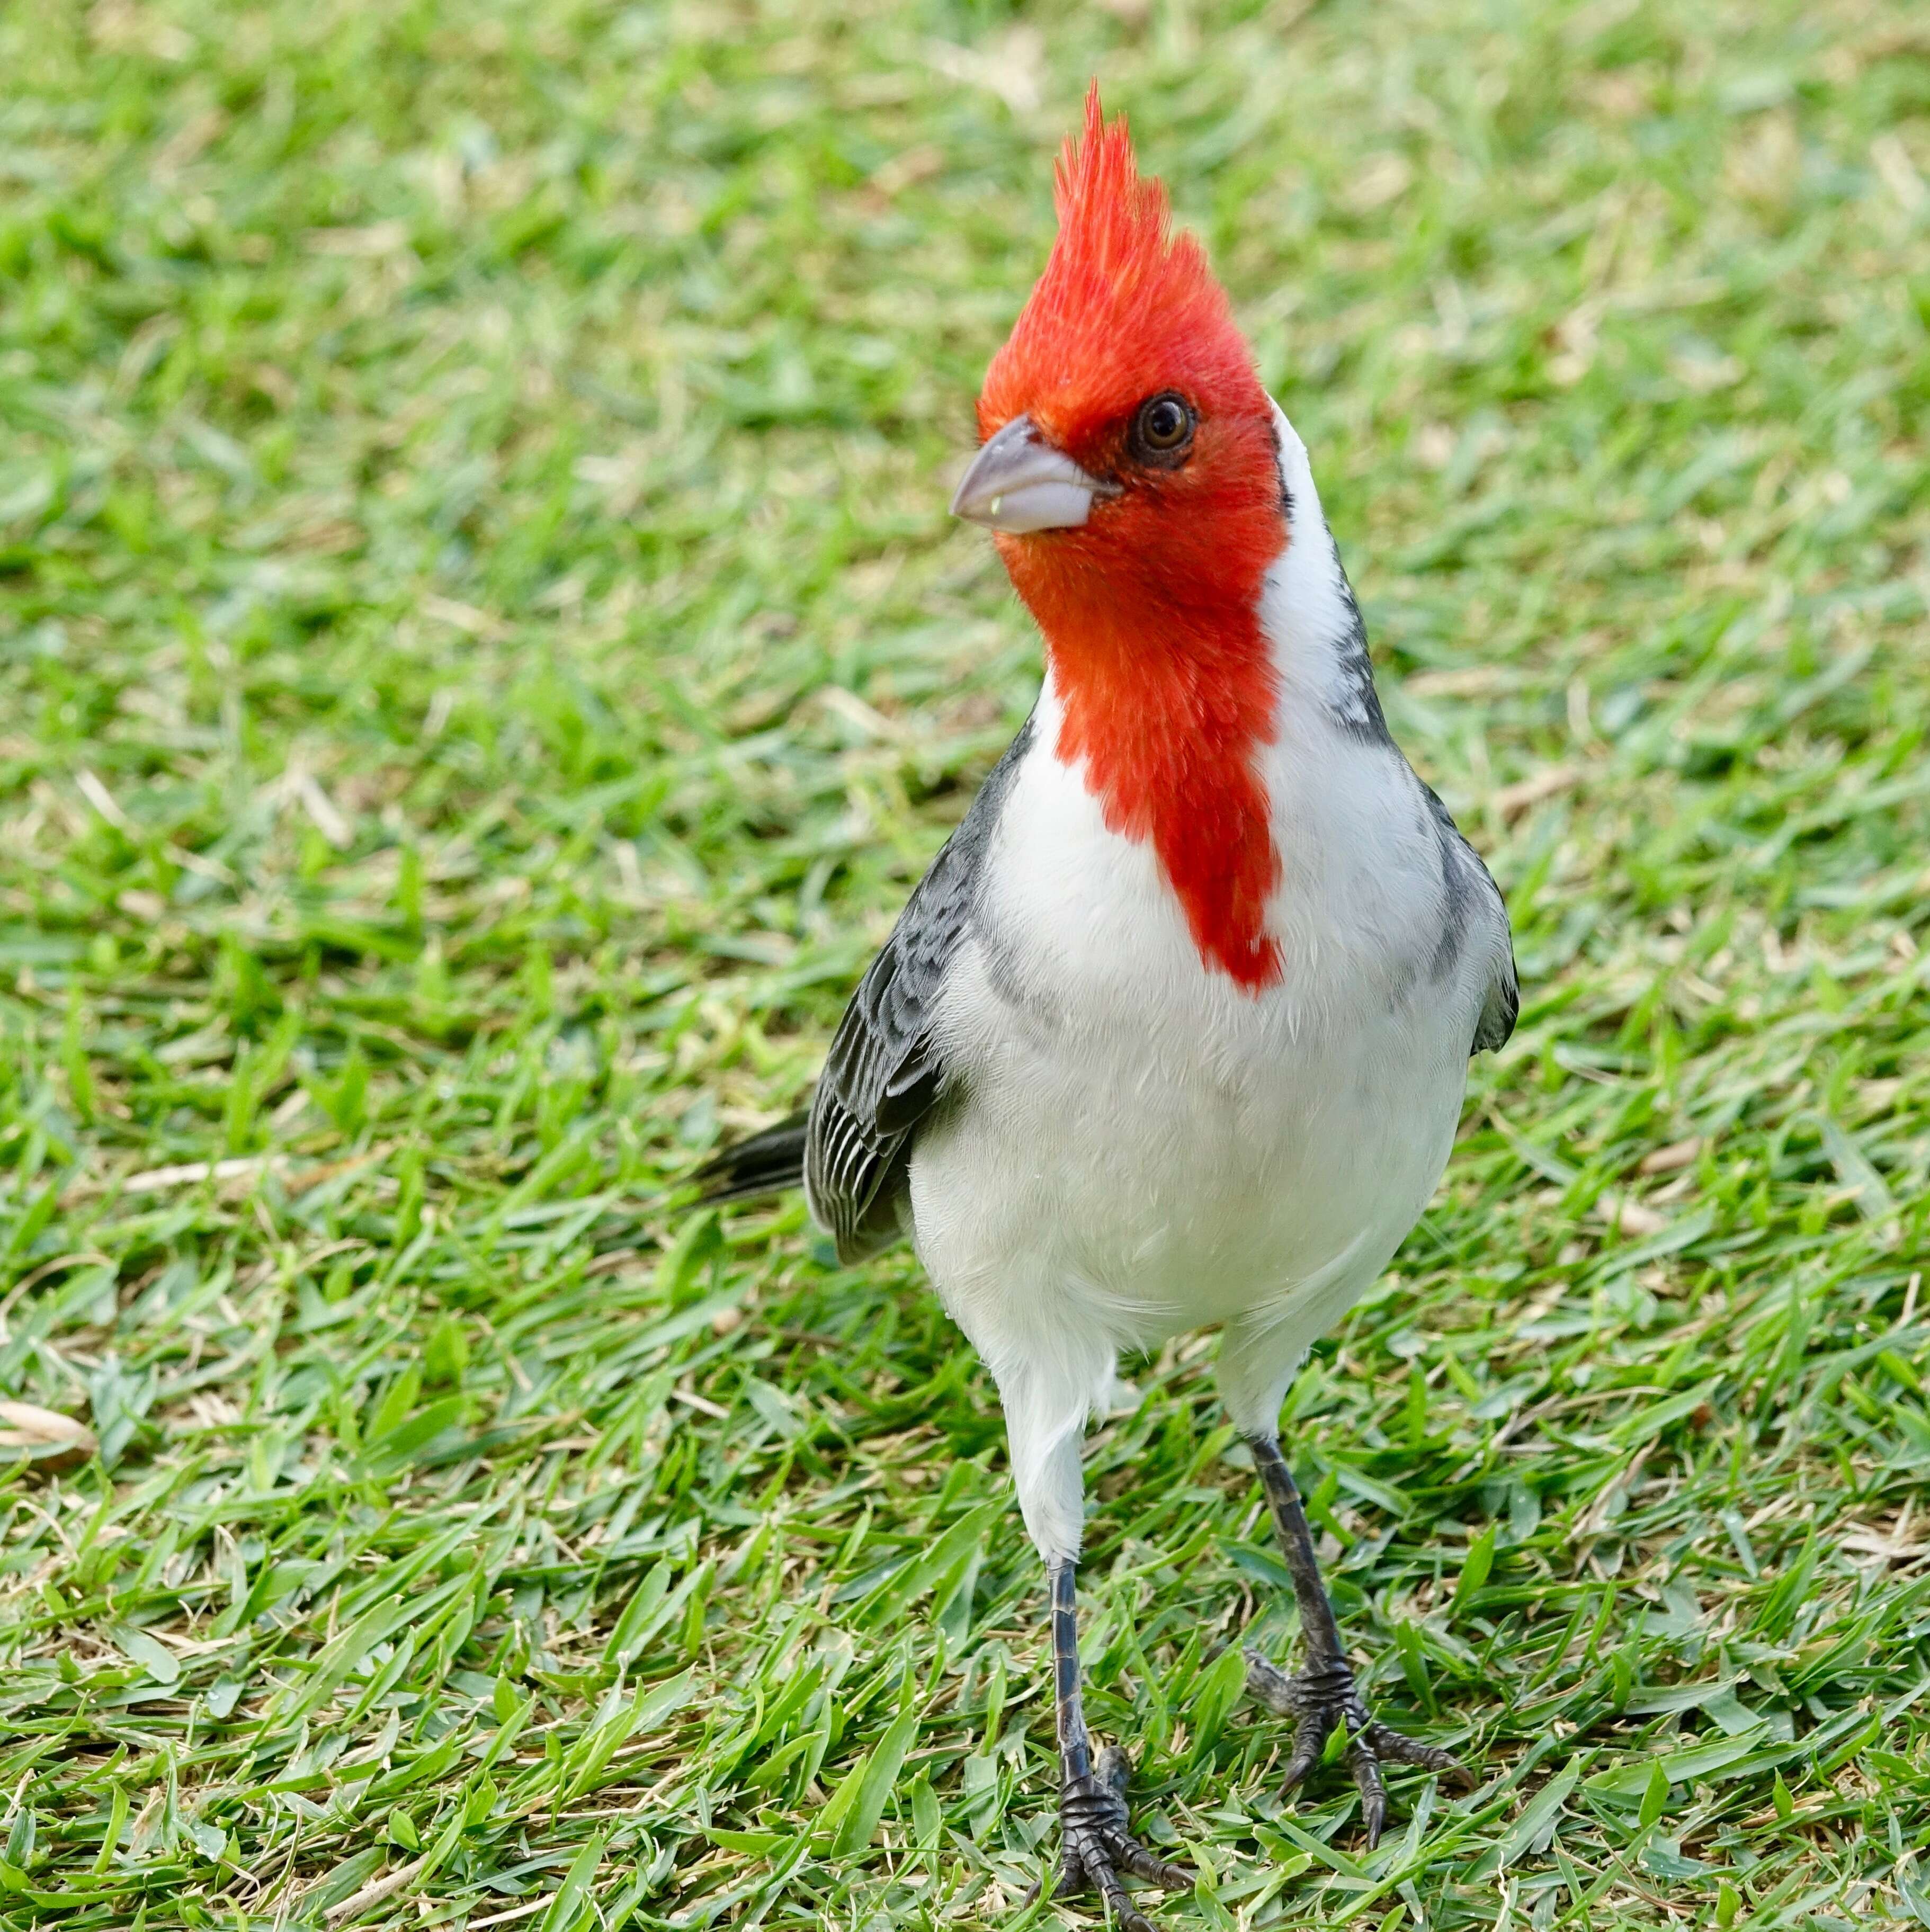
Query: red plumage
x=1151, y=609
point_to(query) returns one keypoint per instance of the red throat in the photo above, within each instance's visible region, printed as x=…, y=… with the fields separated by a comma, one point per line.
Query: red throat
x=1151, y=609
x=1167, y=716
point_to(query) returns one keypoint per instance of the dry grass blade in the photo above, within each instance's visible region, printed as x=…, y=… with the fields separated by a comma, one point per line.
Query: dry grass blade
x=53, y=1440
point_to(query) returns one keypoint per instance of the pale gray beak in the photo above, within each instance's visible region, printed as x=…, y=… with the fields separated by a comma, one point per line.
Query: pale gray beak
x=1019, y=482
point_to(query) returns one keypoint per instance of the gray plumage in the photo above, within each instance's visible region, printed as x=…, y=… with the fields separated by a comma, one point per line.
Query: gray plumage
x=884, y=1072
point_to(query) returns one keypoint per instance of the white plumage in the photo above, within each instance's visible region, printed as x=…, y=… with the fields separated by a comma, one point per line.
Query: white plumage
x=1140, y=1147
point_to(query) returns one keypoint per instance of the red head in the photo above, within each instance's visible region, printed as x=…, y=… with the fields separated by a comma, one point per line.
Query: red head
x=1130, y=473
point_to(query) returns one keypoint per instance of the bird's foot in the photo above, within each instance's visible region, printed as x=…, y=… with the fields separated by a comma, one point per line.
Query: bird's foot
x=1325, y=1695
x=1095, y=1846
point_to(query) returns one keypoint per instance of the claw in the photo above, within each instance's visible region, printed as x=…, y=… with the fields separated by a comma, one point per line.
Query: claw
x=1117, y=1903
x=1373, y=1790
x=1322, y=1697
x=1387, y=1742
x=1308, y=1738
x=1098, y=1846
x=1142, y=1863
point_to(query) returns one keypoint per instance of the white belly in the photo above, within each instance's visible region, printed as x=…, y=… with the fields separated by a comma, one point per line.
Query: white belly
x=1162, y=1196
x=1140, y=1147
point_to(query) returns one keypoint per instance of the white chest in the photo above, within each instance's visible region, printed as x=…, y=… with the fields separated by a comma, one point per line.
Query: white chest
x=1140, y=1131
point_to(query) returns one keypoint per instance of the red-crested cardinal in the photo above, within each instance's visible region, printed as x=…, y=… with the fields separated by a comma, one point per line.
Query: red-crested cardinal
x=1175, y=1032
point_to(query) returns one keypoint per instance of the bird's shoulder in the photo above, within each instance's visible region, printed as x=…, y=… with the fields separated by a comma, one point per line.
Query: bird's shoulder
x=886, y=1069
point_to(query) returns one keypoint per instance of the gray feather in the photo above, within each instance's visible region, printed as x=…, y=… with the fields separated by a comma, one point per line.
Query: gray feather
x=885, y=1073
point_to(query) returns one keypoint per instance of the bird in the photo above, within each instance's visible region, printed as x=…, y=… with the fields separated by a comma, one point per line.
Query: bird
x=1174, y=1034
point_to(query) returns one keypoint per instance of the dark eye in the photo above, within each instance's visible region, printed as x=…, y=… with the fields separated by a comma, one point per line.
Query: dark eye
x=1163, y=427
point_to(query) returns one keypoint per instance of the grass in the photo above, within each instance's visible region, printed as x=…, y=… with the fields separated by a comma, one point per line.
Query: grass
x=483, y=660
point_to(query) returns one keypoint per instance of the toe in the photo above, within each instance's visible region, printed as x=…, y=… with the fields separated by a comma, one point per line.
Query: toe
x=1114, y=1768
x=1269, y=1685
x=1373, y=1792
x=1309, y=1734
x=1117, y=1903
x=1134, y=1858
x=1389, y=1744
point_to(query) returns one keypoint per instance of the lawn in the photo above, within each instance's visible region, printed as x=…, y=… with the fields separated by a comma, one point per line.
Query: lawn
x=483, y=658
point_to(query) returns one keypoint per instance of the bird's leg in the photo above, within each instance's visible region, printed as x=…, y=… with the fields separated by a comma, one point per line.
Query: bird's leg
x=1094, y=1845
x=1324, y=1693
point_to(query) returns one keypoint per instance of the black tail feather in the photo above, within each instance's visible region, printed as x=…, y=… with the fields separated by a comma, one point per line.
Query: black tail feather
x=765, y=1163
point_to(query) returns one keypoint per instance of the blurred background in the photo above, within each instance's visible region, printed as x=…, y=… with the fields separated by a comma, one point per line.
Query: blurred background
x=483, y=658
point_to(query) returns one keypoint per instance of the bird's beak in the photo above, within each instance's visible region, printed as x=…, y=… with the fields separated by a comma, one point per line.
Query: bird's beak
x=1019, y=482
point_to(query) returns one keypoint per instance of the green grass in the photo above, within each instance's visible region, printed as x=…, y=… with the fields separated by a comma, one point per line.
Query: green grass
x=483, y=658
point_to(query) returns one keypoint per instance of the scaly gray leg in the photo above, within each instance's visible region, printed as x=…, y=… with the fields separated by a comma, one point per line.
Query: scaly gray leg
x=1324, y=1693
x=1095, y=1846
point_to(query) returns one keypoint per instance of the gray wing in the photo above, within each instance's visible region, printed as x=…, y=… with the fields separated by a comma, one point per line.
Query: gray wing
x=1499, y=1011
x=1474, y=906
x=1476, y=911
x=885, y=1071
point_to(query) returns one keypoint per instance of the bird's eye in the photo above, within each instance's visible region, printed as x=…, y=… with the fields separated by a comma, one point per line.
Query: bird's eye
x=1163, y=428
